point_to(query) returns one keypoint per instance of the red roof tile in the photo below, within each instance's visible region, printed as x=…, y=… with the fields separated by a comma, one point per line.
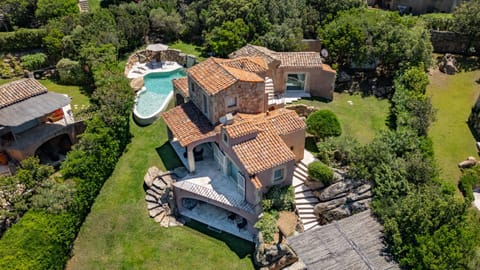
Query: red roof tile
x=300, y=59
x=20, y=90
x=240, y=129
x=285, y=121
x=256, y=182
x=265, y=151
x=188, y=124
x=181, y=84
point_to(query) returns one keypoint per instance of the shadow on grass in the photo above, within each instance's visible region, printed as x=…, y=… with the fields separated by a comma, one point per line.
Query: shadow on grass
x=168, y=156
x=241, y=247
x=320, y=99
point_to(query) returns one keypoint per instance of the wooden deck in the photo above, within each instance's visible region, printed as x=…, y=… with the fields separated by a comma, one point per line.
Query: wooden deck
x=351, y=243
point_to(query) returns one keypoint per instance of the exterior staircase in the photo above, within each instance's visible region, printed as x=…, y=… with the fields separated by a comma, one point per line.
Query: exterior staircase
x=305, y=200
x=83, y=5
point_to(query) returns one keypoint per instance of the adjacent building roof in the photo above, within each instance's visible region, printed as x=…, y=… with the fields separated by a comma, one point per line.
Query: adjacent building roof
x=252, y=64
x=181, y=84
x=285, y=59
x=300, y=60
x=31, y=108
x=351, y=243
x=215, y=74
x=241, y=129
x=188, y=124
x=265, y=151
x=285, y=121
x=20, y=90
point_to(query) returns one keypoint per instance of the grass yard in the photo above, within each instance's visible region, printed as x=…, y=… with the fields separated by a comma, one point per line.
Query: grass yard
x=188, y=49
x=453, y=96
x=118, y=234
x=94, y=5
x=78, y=97
x=361, y=119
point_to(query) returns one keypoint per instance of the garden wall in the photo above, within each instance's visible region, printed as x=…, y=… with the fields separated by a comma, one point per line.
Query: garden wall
x=451, y=42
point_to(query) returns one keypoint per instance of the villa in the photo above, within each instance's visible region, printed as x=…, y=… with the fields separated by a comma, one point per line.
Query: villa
x=234, y=136
x=34, y=121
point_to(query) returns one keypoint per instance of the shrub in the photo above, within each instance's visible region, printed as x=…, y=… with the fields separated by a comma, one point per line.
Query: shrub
x=467, y=181
x=279, y=199
x=267, y=225
x=70, y=72
x=323, y=123
x=34, y=61
x=318, y=171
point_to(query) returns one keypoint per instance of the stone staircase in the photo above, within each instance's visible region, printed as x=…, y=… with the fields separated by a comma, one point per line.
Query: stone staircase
x=305, y=200
x=83, y=5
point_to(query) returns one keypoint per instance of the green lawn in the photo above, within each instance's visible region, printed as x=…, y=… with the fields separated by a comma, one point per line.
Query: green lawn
x=362, y=119
x=118, y=234
x=94, y=5
x=453, y=96
x=188, y=49
x=75, y=92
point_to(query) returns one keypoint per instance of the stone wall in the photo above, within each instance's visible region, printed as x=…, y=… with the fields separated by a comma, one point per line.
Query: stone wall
x=451, y=42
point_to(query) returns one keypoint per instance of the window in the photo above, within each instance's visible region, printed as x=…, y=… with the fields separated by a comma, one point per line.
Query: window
x=295, y=81
x=278, y=174
x=231, y=102
x=225, y=137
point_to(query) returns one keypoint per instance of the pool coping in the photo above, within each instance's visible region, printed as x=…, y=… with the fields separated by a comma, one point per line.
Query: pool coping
x=147, y=120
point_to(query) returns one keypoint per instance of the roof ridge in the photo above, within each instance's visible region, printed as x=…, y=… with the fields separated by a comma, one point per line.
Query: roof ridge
x=223, y=67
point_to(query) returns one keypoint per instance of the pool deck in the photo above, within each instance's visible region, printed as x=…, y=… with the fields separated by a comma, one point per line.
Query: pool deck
x=141, y=69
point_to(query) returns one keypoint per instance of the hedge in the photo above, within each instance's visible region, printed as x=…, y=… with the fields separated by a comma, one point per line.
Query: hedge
x=21, y=40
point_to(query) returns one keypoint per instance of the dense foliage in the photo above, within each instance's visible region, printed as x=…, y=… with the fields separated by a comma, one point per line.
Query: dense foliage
x=21, y=40
x=365, y=37
x=267, y=225
x=323, y=124
x=279, y=199
x=318, y=171
x=34, y=61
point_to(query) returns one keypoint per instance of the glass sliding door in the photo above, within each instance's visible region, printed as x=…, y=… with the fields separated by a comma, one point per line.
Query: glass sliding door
x=296, y=81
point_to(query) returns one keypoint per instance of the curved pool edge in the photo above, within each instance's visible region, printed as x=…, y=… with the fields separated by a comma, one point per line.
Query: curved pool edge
x=145, y=121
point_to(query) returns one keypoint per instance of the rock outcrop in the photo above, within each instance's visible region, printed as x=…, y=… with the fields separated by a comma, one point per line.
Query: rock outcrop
x=342, y=199
x=448, y=64
x=159, y=197
x=468, y=163
x=273, y=256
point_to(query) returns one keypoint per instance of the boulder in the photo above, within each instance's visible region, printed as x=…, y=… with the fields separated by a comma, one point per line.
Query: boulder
x=323, y=207
x=335, y=214
x=360, y=206
x=467, y=163
x=150, y=176
x=448, y=64
x=314, y=185
x=274, y=257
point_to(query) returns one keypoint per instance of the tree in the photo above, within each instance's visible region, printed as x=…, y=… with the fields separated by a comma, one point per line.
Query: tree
x=70, y=72
x=168, y=26
x=49, y=9
x=466, y=19
x=227, y=38
x=18, y=13
x=323, y=123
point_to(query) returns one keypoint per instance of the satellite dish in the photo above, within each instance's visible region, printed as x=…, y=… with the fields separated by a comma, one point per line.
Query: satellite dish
x=324, y=53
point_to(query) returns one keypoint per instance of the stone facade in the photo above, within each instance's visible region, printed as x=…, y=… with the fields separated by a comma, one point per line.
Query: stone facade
x=451, y=42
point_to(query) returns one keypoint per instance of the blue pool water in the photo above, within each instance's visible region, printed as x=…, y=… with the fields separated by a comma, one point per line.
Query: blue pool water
x=159, y=86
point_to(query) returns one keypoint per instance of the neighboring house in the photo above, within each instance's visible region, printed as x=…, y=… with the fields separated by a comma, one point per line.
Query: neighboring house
x=233, y=145
x=34, y=121
x=417, y=6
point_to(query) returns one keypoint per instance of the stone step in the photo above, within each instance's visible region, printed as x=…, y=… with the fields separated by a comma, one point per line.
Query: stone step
x=160, y=217
x=296, y=182
x=306, y=207
x=153, y=194
x=156, y=190
x=302, y=167
x=302, y=188
x=305, y=194
x=311, y=226
x=305, y=211
x=156, y=211
x=302, y=175
x=305, y=217
x=150, y=198
x=159, y=183
x=307, y=201
x=152, y=205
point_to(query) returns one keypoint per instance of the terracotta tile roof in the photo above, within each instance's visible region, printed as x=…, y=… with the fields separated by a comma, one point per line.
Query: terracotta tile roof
x=20, y=90
x=188, y=124
x=241, y=128
x=215, y=75
x=181, y=84
x=300, y=59
x=285, y=121
x=256, y=182
x=252, y=64
x=328, y=68
x=252, y=50
x=265, y=151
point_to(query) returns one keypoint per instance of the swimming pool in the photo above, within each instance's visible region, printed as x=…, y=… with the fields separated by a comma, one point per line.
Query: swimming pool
x=154, y=97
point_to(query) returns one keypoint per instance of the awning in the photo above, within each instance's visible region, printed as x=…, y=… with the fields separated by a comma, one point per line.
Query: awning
x=34, y=107
x=157, y=47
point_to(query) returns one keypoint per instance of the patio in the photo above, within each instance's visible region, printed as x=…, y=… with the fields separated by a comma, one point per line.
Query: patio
x=139, y=70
